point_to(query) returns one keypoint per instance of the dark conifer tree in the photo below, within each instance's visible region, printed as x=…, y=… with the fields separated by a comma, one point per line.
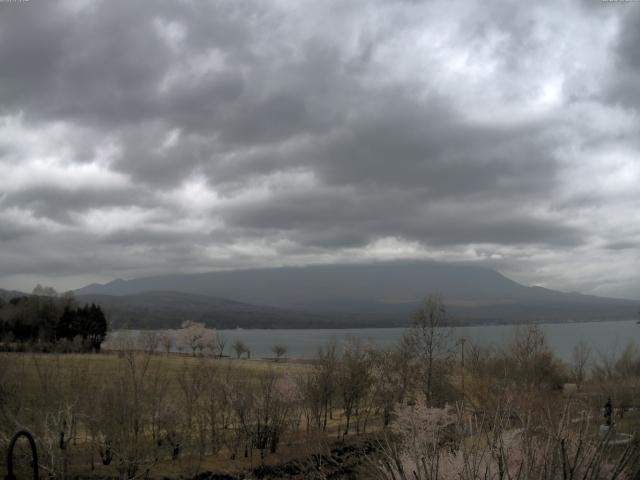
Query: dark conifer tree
x=67, y=324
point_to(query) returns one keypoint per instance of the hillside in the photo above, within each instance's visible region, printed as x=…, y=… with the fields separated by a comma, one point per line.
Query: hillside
x=347, y=295
x=9, y=294
x=327, y=286
x=167, y=309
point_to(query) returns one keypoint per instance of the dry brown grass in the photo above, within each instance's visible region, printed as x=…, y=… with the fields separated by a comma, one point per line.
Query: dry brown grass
x=26, y=366
x=41, y=385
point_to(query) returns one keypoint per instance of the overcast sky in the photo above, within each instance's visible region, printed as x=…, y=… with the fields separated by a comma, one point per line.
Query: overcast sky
x=176, y=136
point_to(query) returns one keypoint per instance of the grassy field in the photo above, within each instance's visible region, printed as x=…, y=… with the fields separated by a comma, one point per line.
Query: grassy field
x=83, y=395
x=29, y=364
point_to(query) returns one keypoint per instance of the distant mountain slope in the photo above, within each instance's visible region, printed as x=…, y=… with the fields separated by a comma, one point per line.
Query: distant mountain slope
x=9, y=294
x=166, y=309
x=377, y=293
x=328, y=284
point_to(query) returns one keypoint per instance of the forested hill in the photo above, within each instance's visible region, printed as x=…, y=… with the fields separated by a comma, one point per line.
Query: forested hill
x=167, y=309
x=6, y=295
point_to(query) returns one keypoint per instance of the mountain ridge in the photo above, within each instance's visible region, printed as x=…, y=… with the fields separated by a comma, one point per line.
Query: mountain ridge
x=387, y=292
x=150, y=283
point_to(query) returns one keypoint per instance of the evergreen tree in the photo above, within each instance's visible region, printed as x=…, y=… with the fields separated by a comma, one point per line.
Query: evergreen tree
x=96, y=327
x=38, y=319
x=67, y=324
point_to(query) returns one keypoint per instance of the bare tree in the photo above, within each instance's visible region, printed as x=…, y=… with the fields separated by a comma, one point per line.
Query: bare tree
x=531, y=361
x=327, y=366
x=279, y=351
x=528, y=341
x=240, y=348
x=221, y=342
x=166, y=340
x=404, y=368
x=431, y=338
x=133, y=395
x=390, y=377
x=579, y=360
x=317, y=387
x=215, y=405
x=354, y=380
x=272, y=400
x=149, y=341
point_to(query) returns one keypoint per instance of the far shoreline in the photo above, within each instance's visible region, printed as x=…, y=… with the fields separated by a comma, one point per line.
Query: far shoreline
x=389, y=327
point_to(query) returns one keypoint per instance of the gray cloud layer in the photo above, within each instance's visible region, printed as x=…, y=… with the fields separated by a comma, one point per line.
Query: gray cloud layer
x=141, y=137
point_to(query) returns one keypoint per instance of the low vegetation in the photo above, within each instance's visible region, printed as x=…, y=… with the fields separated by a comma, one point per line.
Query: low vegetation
x=432, y=407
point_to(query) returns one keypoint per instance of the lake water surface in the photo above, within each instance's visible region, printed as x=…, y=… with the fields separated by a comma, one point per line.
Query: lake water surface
x=603, y=337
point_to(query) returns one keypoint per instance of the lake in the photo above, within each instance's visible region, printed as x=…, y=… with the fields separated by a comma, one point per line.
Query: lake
x=603, y=337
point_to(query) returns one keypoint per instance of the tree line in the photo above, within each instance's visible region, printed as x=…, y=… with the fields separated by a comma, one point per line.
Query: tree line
x=48, y=321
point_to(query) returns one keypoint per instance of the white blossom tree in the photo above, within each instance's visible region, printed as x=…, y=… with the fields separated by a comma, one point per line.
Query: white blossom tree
x=196, y=336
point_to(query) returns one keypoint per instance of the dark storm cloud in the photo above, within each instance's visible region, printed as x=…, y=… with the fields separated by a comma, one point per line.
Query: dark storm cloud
x=624, y=89
x=189, y=135
x=622, y=245
x=148, y=237
x=13, y=231
x=60, y=204
x=338, y=221
x=106, y=62
x=432, y=150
